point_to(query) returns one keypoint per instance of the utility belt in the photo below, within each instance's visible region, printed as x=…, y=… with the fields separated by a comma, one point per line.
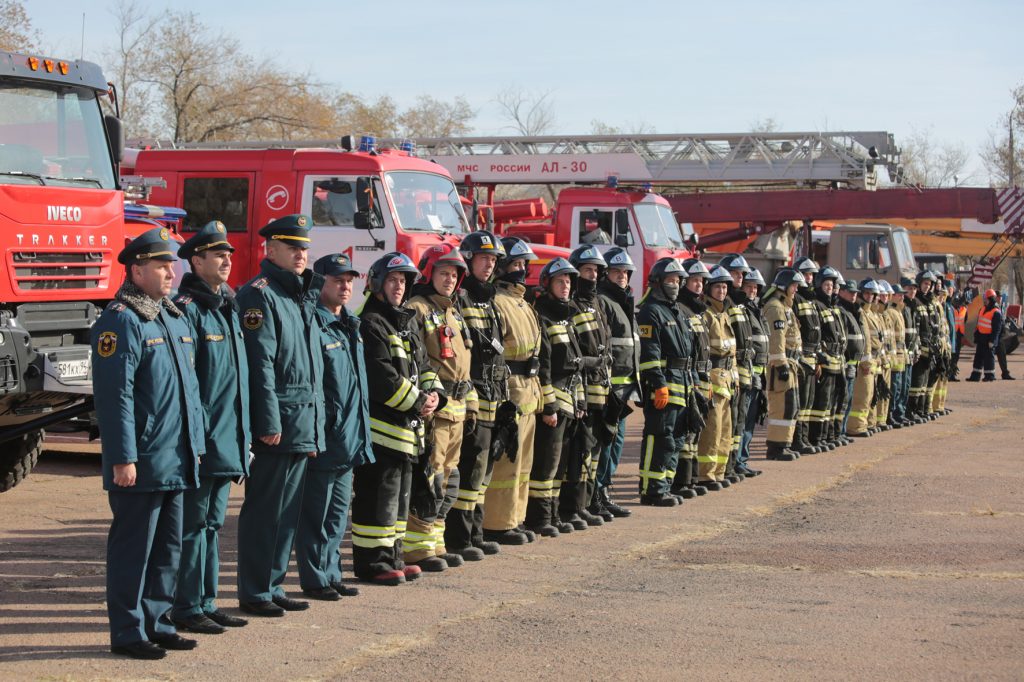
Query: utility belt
x=523, y=368
x=726, y=362
x=702, y=366
x=792, y=354
x=685, y=364
x=811, y=348
x=497, y=372
x=457, y=390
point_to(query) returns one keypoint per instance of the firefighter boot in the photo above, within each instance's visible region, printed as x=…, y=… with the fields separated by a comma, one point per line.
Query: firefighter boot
x=781, y=453
x=606, y=502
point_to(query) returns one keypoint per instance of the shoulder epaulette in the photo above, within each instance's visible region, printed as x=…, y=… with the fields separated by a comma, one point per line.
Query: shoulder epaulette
x=183, y=299
x=260, y=283
x=117, y=306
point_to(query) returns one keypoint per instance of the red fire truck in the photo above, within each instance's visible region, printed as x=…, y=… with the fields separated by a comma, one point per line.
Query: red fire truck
x=364, y=200
x=63, y=219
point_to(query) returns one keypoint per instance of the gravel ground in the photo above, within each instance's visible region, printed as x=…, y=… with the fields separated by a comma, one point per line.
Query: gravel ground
x=897, y=557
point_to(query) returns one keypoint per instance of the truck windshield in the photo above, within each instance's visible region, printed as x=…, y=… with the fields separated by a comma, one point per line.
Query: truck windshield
x=658, y=226
x=904, y=252
x=53, y=135
x=426, y=202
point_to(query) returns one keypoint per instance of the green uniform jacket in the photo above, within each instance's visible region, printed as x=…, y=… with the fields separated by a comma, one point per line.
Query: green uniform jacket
x=346, y=394
x=286, y=367
x=223, y=375
x=147, y=396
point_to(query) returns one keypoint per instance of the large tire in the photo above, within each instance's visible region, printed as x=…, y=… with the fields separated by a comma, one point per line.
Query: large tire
x=17, y=459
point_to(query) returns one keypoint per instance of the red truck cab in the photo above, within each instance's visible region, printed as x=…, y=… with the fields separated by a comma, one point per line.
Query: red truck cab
x=414, y=203
x=642, y=222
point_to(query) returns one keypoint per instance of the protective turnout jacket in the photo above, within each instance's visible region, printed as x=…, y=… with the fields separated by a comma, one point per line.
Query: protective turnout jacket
x=595, y=343
x=784, y=344
x=147, y=395
x=617, y=306
x=561, y=361
x=666, y=349
x=448, y=346
x=487, y=370
x=223, y=372
x=282, y=342
x=397, y=361
x=833, y=339
x=520, y=338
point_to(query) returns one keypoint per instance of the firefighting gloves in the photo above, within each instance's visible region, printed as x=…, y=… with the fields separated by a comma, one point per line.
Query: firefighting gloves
x=661, y=398
x=505, y=437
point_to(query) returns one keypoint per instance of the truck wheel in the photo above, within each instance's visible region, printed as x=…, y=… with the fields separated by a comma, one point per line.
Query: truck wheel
x=17, y=459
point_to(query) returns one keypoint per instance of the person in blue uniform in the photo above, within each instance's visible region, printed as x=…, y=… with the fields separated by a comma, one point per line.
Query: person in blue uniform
x=282, y=343
x=152, y=423
x=209, y=305
x=328, y=492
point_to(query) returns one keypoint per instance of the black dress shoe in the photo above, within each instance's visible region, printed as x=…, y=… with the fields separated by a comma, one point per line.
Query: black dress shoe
x=323, y=594
x=221, y=618
x=142, y=650
x=289, y=604
x=345, y=590
x=748, y=472
x=199, y=623
x=262, y=608
x=174, y=642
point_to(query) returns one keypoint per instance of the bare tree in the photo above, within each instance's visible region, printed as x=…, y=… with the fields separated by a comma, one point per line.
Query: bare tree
x=16, y=31
x=135, y=36
x=1003, y=154
x=765, y=125
x=527, y=113
x=207, y=89
x=929, y=163
x=599, y=127
x=433, y=118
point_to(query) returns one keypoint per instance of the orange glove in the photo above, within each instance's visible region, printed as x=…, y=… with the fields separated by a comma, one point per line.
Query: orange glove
x=661, y=397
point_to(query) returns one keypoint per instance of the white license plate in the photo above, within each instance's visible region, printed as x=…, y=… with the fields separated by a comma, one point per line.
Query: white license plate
x=73, y=369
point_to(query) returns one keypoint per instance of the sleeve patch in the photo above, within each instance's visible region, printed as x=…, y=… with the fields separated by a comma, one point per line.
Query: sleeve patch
x=779, y=324
x=253, y=319
x=107, y=344
x=646, y=331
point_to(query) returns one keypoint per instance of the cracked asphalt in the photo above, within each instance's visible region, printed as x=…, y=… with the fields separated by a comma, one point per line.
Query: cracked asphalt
x=897, y=557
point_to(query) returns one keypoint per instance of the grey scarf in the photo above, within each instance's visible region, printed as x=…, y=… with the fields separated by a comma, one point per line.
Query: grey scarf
x=136, y=299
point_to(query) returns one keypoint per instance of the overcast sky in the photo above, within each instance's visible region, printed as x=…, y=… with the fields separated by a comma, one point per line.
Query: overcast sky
x=679, y=67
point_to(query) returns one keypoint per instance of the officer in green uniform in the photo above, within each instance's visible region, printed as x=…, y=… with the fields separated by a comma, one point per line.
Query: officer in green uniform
x=151, y=418
x=328, y=492
x=282, y=341
x=209, y=305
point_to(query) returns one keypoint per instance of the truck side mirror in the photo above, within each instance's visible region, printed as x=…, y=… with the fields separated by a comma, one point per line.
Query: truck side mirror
x=622, y=239
x=115, y=134
x=367, y=215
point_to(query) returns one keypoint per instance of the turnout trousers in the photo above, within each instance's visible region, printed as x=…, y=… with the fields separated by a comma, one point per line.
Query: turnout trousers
x=823, y=409
x=267, y=523
x=380, y=502
x=783, y=406
x=660, y=447
x=325, y=509
x=806, y=383
x=424, y=535
x=716, y=439
x=546, y=473
x=863, y=393
x=474, y=472
x=919, y=380
x=508, y=490
x=143, y=550
x=203, y=512
x=579, y=470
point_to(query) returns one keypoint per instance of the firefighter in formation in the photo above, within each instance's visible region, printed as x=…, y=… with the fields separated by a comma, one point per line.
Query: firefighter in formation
x=496, y=413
